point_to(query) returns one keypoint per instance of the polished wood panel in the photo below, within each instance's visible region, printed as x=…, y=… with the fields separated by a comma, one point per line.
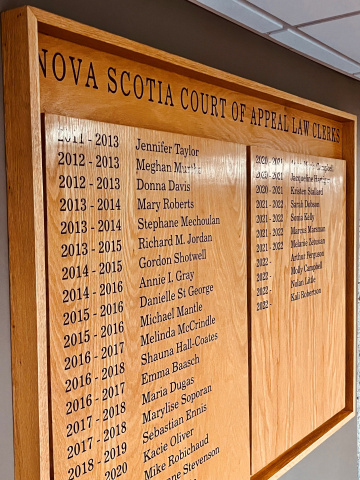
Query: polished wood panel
x=297, y=298
x=26, y=249
x=78, y=48
x=75, y=78
x=146, y=237
x=352, y=241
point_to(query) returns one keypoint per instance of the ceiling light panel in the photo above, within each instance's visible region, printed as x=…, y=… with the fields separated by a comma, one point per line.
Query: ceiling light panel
x=301, y=43
x=242, y=13
x=303, y=11
x=342, y=35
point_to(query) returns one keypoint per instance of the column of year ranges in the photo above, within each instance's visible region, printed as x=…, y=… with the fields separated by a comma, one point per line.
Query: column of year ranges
x=267, y=225
x=85, y=185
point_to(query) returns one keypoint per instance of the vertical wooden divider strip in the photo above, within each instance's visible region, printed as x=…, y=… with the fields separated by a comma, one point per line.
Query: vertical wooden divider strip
x=349, y=154
x=248, y=266
x=26, y=251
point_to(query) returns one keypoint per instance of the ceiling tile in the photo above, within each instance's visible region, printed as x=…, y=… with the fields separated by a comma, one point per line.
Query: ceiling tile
x=303, y=11
x=242, y=13
x=343, y=35
x=299, y=42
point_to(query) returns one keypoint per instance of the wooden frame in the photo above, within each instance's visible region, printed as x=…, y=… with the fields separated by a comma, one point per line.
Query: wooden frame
x=21, y=30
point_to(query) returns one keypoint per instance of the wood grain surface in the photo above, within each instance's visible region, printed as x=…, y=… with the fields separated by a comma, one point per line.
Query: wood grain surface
x=58, y=66
x=146, y=238
x=75, y=78
x=26, y=248
x=297, y=298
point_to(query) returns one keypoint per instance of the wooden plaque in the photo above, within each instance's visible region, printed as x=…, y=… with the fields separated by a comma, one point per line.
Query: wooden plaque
x=146, y=241
x=92, y=262
x=297, y=298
